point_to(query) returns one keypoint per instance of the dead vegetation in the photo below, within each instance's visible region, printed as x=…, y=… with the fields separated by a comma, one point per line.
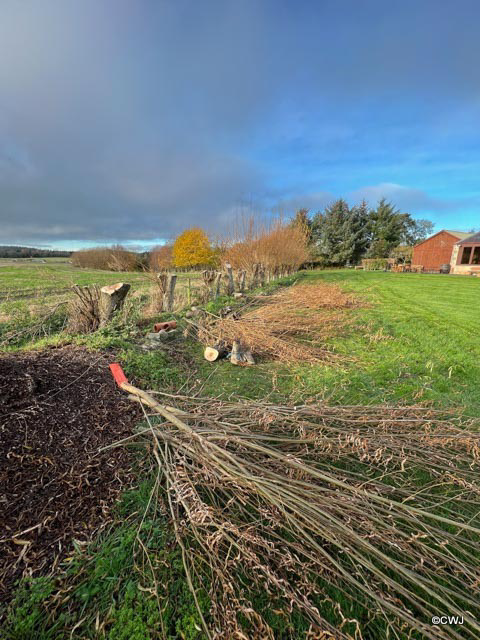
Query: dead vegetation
x=321, y=506
x=57, y=408
x=277, y=245
x=114, y=258
x=291, y=325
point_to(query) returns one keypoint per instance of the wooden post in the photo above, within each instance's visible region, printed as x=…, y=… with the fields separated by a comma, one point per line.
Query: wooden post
x=111, y=299
x=230, y=282
x=218, y=282
x=189, y=291
x=169, y=290
x=241, y=280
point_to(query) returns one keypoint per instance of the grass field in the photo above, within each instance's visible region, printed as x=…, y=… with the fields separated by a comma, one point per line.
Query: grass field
x=53, y=275
x=413, y=341
x=416, y=342
x=26, y=287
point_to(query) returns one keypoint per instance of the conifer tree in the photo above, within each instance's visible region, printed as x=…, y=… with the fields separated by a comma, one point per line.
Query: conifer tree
x=387, y=227
x=340, y=233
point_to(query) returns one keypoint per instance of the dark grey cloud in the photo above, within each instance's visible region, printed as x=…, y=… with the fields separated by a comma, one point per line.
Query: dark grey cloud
x=127, y=121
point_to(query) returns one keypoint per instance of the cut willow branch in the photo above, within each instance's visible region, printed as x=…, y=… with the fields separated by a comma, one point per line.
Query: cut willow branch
x=323, y=507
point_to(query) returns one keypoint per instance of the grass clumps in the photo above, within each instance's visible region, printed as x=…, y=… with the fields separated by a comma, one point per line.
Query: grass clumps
x=108, y=590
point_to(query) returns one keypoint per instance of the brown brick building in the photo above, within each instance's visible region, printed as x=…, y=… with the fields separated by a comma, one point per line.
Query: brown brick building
x=437, y=250
x=466, y=255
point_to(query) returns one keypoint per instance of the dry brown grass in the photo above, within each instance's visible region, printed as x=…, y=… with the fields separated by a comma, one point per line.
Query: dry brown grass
x=292, y=325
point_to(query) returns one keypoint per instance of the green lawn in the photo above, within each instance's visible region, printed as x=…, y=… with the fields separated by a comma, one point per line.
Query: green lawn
x=416, y=342
x=56, y=275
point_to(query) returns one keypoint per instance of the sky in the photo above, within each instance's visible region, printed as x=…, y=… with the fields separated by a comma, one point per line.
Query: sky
x=130, y=120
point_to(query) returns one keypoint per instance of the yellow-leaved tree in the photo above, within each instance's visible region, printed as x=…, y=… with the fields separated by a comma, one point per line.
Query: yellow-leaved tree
x=192, y=249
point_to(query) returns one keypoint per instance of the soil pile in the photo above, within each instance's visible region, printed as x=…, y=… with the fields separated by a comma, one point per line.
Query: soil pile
x=57, y=409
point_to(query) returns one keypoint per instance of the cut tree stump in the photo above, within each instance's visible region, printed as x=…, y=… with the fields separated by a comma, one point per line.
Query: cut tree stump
x=242, y=274
x=111, y=299
x=219, y=350
x=256, y=269
x=240, y=354
x=230, y=281
x=83, y=309
x=261, y=275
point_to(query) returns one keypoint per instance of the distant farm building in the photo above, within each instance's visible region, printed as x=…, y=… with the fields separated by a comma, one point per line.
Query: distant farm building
x=466, y=255
x=458, y=249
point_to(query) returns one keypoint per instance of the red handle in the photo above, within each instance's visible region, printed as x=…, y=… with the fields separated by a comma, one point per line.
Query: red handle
x=117, y=373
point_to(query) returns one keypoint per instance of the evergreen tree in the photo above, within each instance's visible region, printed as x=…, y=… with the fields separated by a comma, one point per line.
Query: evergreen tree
x=343, y=235
x=387, y=228
x=360, y=217
x=337, y=232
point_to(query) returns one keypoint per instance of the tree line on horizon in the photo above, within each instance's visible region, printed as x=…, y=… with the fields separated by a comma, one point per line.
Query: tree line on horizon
x=339, y=235
x=13, y=251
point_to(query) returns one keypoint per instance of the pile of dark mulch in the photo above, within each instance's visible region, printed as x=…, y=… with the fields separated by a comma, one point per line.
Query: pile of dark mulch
x=57, y=409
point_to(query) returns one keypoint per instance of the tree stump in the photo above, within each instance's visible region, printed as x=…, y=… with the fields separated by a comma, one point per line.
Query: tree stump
x=242, y=274
x=256, y=269
x=241, y=354
x=208, y=277
x=230, y=281
x=261, y=275
x=83, y=309
x=111, y=299
x=219, y=350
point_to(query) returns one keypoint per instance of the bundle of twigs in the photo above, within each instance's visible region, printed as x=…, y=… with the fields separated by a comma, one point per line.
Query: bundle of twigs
x=84, y=309
x=291, y=325
x=363, y=519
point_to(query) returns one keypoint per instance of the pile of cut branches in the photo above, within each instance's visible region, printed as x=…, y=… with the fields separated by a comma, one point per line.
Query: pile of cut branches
x=290, y=326
x=364, y=520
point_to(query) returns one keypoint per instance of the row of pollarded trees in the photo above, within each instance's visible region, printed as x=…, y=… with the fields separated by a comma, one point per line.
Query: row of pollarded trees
x=339, y=235
x=279, y=247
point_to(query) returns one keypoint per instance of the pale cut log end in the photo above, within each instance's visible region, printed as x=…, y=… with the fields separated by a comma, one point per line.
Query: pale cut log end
x=110, y=289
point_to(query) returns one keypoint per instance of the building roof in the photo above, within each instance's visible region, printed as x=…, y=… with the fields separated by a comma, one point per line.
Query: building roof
x=472, y=237
x=461, y=235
